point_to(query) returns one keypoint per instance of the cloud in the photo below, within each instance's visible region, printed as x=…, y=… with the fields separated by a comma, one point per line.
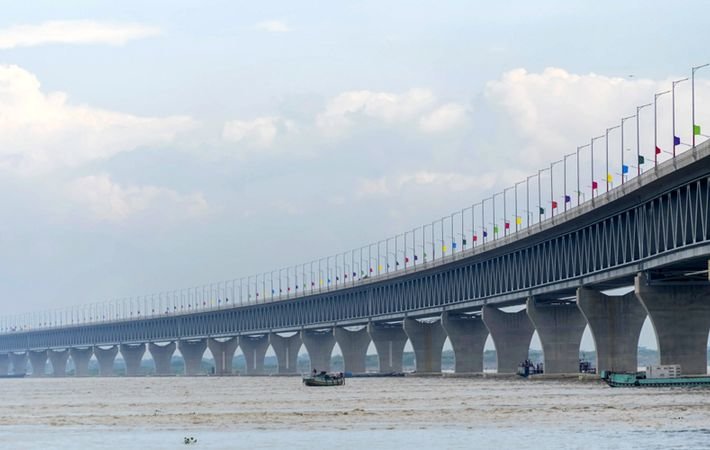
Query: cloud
x=342, y=111
x=449, y=181
x=107, y=201
x=272, y=26
x=445, y=118
x=74, y=32
x=259, y=132
x=41, y=132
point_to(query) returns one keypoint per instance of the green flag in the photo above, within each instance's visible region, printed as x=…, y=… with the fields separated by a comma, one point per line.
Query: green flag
x=495, y=228
x=542, y=210
x=696, y=130
x=641, y=159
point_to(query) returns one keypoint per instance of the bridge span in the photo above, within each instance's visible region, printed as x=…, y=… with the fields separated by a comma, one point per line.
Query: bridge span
x=652, y=232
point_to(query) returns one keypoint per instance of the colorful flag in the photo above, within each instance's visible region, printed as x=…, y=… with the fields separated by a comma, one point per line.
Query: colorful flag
x=475, y=238
x=371, y=270
x=443, y=248
x=416, y=258
x=554, y=204
x=696, y=130
x=453, y=245
x=542, y=210
x=658, y=150
x=379, y=267
x=641, y=159
x=406, y=259
x=495, y=229
x=624, y=169
x=507, y=225
x=485, y=233
x=518, y=220
x=568, y=199
x=609, y=178
x=595, y=185
x=676, y=140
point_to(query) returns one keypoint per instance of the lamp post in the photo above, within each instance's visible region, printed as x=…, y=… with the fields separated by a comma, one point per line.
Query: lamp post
x=656, y=150
x=505, y=208
x=516, y=204
x=539, y=194
x=579, y=188
x=673, y=85
x=552, y=189
x=623, y=119
x=606, y=143
x=564, y=176
x=527, y=194
x=692, y=97
x=638, y=138
x=591, y=160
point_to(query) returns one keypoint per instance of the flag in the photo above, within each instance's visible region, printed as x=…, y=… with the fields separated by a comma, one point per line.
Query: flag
x=568, y=199
x=463, y=241
x=416, y=258
x=624, y=169
x=676, y=140
x=443, y=248
x=495, y=229
x=453, y=245
x=379, y=267
x=554, y=204
x=337, y=278
x=507, y=225
x=371, y=270
x=328, y=280
x=609, y=178
x=475, y=238
x=518, y=220
x=658, y=150
x=406, y=259
x=641, y=159
x=696, y=130
x=595, y=185
x=396, y=263
x=485, y=233
x=542, y=210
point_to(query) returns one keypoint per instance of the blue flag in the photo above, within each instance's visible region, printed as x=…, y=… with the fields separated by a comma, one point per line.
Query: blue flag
x=568, y=199
x=624, y=169
x=453, y=245
x=676, y=140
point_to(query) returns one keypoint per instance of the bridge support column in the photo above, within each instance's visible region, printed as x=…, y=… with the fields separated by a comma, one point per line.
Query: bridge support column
x=223, y=354
x=428, y=341
x=286, y=349
x=680, y=314
x=468, y=335
x=192, y=353
x=59, y=359
x=162, y=357
x=19, y=362
x=615, y=323
x=353, y=345
x=4, y=363
x=389, y=340
x=38, y=361
x=560, y=327
x=80, y=358
x=105, y=357
x=319, y=345
x=511, y=333
x=132, y=356
x=254, y=349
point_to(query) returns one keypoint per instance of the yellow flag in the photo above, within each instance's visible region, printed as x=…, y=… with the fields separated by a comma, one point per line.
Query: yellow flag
x=379, y=267
x=608, y=177
x=443, y=248
x=518, y=220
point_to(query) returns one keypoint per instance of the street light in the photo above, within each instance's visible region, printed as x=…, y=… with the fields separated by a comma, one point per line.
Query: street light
x=692, y=98
x=516, y=204
x=527, y=193
x=638, y=138
x=655, y=126
x=591, y=159
x=673, y=110
x=539, y=194
x=579, y=189
x=552, y=189
x=606, y=140
x=565, y=178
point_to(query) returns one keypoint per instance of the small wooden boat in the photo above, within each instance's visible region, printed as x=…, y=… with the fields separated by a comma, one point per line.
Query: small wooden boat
x=324, y=379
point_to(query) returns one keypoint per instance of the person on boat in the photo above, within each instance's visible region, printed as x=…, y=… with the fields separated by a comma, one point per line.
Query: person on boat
x=315, y=372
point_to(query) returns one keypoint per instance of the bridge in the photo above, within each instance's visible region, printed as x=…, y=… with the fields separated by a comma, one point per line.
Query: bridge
x=650, y=231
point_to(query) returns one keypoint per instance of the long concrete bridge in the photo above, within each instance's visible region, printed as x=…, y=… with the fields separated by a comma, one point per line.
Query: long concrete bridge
x=651, y=232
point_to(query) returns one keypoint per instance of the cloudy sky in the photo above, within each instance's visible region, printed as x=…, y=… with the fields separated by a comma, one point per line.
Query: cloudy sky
x=151, y=146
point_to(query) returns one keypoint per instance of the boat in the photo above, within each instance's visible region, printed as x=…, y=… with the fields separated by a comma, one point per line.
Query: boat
x=654, y=376
x=324, y=379
x=13, y=375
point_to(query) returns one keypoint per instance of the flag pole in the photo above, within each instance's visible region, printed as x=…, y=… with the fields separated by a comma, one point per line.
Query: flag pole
x=692, y=96
x=606, y=149
x=591, y=159
x=655, y=126
x=673, y=109
x=638, y=138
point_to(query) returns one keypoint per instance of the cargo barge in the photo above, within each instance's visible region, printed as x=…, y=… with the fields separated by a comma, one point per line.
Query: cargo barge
x=654, y=376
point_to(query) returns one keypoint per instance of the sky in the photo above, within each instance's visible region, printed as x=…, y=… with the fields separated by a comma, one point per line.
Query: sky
x=150, y=146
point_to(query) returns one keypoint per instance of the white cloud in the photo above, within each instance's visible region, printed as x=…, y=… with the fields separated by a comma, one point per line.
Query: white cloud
x=260, y=132
x=107, y=201
x=342, y=111
x=40, y=132
x=272, y=26
x=449, y=181
x=74, y=32
x=444, y=118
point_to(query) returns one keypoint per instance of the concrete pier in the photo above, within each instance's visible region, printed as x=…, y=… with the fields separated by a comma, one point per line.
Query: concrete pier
x=428, y=341
x=353, y=345
x=560, y=326
x=59, y=359
x=319, y=344
x=80, y=357
x=389, y=340
x=615, y=323
x=254, y=349
x=19, y=362
x=680, y=314
x=286, y=349
x=132, y=355
x=511, y=333
x=468, y=335
x=38, y=361
x=192, y=353
x=162, y=357
x=4, y=363
x=223, y=354
x=106, y=357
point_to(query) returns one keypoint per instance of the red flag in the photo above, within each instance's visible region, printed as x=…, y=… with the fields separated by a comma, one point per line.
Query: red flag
x=658, y=150
x=507, y=224
x=554, y=205
x=595, y=185
x=475, y=238
x=406, y=259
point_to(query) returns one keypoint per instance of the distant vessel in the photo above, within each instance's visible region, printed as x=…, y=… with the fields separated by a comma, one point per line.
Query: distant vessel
x=654, y=376
x=324, y=379
x=13, y=375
